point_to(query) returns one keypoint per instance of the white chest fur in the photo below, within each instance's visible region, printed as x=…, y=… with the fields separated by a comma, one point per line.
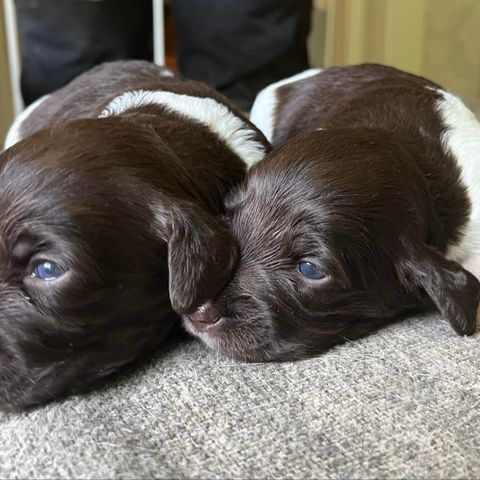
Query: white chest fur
x=263, y=110
x=14, y=133
x=462, y=140
x=233, y=130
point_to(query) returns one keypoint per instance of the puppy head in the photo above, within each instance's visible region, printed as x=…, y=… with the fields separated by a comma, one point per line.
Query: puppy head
x=86, y=246
x=330, y=229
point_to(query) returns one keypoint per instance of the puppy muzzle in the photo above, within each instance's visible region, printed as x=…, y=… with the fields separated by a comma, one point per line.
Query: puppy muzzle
x=204, y=317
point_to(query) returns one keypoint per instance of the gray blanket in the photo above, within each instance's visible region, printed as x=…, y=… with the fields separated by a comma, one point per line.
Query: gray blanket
x=402, y=403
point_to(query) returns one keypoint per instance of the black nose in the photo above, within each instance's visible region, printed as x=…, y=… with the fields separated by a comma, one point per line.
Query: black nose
x=206, y=315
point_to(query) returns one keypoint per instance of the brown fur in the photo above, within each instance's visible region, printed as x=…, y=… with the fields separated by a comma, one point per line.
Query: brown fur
x=372, y=199
x=130, y=207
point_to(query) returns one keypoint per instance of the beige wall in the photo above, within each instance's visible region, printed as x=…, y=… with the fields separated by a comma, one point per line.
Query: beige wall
x=451, y=50
x=436, y=38
x=316, y=41
x=6, y=108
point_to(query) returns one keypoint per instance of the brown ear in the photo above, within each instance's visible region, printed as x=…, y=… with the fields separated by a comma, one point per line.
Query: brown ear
x=454, y=290
x=201, y=254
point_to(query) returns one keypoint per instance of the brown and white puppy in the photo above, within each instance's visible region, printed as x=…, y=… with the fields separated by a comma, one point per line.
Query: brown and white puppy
x=368, y=209
x=108, y=222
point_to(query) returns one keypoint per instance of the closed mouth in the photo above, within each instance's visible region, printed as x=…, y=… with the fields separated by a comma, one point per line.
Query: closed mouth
x=199, y=328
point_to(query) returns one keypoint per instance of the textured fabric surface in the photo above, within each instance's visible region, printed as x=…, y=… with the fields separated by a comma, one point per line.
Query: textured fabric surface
x=402, y=403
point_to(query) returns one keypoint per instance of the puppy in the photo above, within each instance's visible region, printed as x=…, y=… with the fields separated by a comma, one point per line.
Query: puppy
x=109, y=195
x=369, y=208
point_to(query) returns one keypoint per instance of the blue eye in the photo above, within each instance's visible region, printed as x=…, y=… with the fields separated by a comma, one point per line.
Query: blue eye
x=310, y=270
x=47, y=271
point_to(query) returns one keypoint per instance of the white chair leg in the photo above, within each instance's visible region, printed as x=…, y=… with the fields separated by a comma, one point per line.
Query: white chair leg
x=13, y=52
x=158, y=32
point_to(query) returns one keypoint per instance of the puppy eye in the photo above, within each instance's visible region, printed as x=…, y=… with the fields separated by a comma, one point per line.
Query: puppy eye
x=48, y=271
x=310, y=270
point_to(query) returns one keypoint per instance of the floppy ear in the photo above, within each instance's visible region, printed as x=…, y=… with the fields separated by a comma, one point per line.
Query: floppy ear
x=201, y=253
x=454, y=290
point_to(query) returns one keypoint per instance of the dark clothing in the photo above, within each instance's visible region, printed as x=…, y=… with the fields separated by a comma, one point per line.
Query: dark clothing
x=237, y=46
x=60, y=39
x=240, y=46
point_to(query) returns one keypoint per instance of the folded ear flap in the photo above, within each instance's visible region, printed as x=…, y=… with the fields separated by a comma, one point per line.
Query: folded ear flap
x=201, y=253
x=453, y=290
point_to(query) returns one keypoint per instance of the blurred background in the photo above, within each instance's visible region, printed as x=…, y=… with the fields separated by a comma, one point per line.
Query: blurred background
x=439, y=39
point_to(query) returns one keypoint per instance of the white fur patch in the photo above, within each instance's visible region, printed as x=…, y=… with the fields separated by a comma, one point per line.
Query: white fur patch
x=263, y=109
x=167, y=73
x=237, y=134
x=13, y=135
x=462, y=139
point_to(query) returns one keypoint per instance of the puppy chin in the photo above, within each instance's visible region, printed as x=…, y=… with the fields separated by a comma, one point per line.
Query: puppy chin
x=238, y=340
x=208, y=334
x=44, y=357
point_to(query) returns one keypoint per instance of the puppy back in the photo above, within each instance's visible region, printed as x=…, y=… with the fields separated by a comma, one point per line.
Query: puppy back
x=305, y=104
x=82, y=97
